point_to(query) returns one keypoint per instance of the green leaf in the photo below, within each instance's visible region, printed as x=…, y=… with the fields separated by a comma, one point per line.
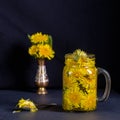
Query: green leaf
x=50, y=40
x=28, y=36
x=76, y=58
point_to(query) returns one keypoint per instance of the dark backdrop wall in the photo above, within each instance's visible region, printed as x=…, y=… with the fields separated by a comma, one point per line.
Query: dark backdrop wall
x=90, y=25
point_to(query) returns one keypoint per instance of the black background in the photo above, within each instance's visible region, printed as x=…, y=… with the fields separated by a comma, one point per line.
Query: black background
x=91, y=25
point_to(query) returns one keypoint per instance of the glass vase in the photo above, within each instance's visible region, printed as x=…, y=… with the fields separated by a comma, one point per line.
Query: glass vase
x=41, y=78
x=80, y=83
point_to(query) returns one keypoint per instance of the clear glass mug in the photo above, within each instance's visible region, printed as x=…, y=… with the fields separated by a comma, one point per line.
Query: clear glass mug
x=80, y=83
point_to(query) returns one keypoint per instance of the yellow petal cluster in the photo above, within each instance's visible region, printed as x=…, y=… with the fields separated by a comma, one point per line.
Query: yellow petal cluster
x=79, y=82
x=45, y=51
x=41, y=51
x=41, y=46
x=27, y=104
x=38, y=37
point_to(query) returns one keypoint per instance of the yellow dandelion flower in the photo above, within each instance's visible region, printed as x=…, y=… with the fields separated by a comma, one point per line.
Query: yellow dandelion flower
x=38, y=38
x=89, y=102
x=41, y=46
x=68, y=82
x=33, y=50
x=27, y=104
x=45, y=51
x=72, y=98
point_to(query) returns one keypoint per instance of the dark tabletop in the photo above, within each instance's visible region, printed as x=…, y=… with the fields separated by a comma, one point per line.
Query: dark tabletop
x=108, y=110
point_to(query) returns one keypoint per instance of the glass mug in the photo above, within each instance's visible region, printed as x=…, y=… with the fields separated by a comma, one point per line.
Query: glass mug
x=80, y=82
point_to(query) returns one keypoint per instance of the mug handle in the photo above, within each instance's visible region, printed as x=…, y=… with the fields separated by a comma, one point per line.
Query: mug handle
x=106, y=93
